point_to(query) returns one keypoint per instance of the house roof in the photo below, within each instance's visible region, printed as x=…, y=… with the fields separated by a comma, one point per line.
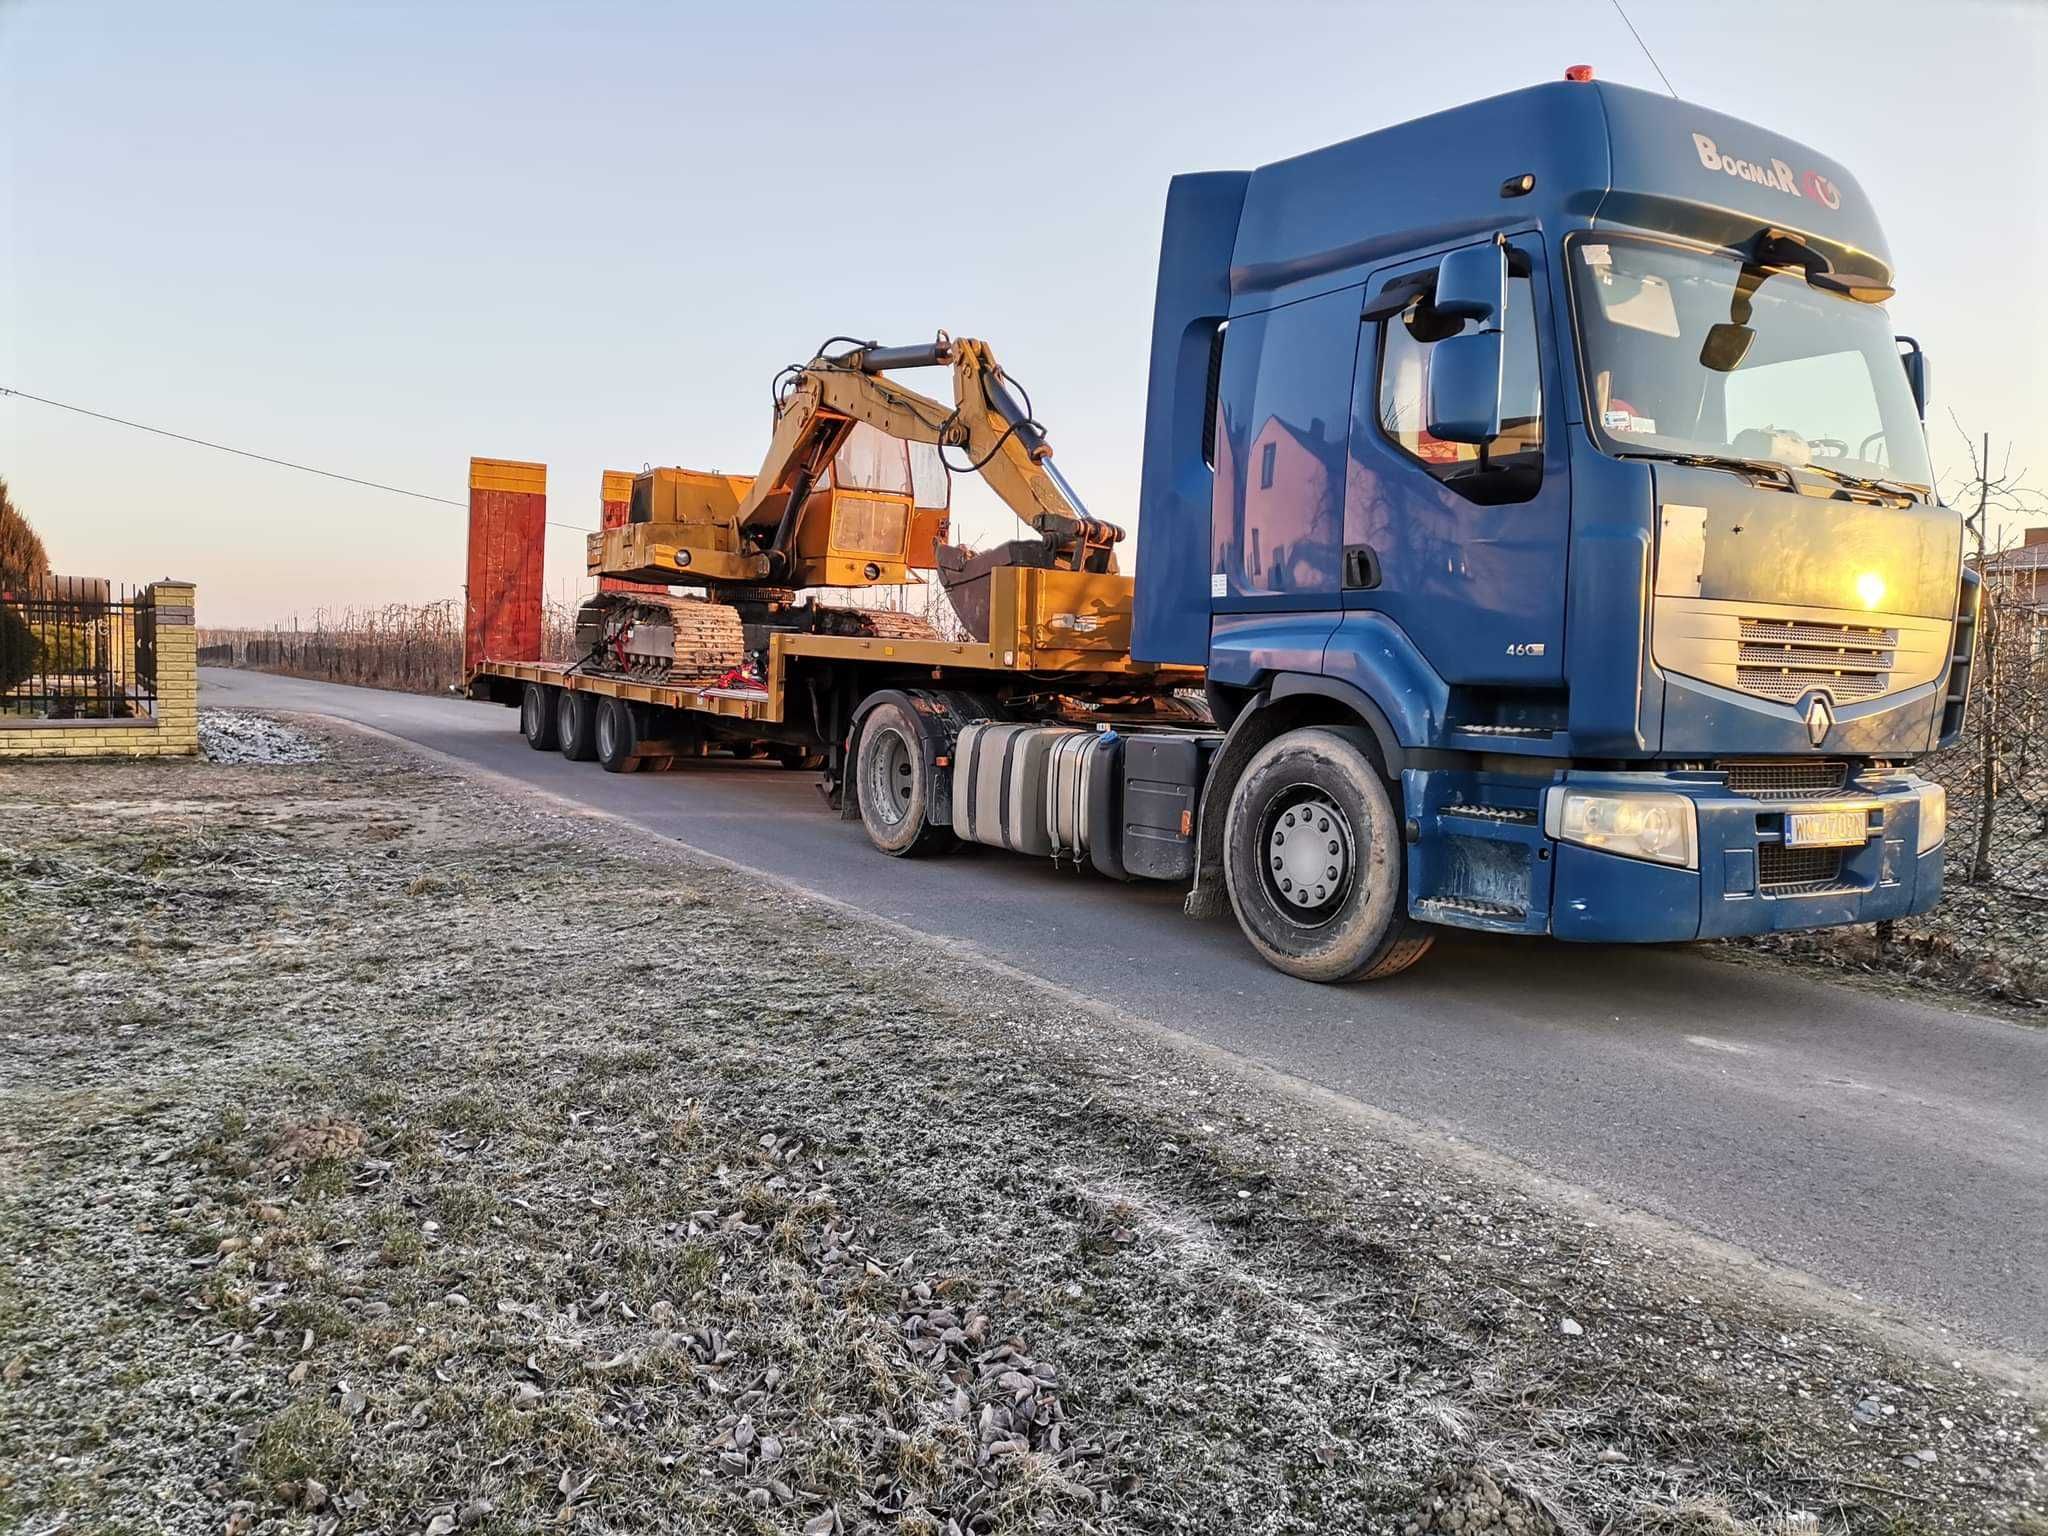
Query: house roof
x=2024, y=557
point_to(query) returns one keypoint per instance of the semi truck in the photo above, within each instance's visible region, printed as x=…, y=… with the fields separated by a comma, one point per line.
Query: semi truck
x=1536, y=535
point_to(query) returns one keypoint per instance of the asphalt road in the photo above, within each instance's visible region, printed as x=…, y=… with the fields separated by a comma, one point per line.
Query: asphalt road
x=1894, y=1149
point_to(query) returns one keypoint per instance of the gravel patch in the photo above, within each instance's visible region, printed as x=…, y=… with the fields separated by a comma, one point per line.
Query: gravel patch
x=383, y=1153
x=235, y=736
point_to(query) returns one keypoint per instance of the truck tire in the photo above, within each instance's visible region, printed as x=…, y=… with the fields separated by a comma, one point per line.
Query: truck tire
x=538, y=719
x=895, y=785
x=617, y=737
x=1313, y=856
x=575, y=725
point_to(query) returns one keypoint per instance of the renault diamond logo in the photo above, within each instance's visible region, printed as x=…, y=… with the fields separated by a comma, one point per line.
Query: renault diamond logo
x=1820, y=718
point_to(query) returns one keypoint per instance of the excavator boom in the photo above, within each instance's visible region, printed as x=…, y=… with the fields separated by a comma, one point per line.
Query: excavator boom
x=819, y=403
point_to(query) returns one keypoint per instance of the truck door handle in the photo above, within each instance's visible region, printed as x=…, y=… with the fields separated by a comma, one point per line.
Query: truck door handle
x=1361, y=566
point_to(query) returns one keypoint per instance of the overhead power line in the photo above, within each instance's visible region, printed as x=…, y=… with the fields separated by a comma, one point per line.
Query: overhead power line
x=246, y=453
x=1632, y=32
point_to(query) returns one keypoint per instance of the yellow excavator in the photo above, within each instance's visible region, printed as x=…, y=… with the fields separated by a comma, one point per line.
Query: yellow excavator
x=835, y=504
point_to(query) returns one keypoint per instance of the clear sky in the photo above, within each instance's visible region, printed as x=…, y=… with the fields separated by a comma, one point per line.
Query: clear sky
x=382, y=237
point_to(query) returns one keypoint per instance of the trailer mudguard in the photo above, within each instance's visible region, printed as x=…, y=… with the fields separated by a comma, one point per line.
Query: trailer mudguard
x=940, y=714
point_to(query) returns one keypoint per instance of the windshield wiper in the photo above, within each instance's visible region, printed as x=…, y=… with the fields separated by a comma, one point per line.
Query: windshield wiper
x=1867, y=482
x=1767, y=468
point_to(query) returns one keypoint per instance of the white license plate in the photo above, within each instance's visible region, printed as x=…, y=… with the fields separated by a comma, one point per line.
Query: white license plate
x=1826, y=829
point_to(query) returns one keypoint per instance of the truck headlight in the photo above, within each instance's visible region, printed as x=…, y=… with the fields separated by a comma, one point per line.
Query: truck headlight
x=1637, y=824
x=1933, y=816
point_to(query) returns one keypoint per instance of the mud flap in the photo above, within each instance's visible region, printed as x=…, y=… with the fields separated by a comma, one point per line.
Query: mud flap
x=1207, y=897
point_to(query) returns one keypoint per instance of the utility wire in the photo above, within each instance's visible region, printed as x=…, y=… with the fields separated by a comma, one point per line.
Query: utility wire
x=1632, y=32
x=375, y=485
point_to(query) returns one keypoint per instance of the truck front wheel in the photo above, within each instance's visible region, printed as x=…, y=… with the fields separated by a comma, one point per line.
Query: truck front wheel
x=895, y=785
x=1312, y=859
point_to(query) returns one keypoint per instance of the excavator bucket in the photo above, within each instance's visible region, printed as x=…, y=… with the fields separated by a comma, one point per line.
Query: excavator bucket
x=969, y=577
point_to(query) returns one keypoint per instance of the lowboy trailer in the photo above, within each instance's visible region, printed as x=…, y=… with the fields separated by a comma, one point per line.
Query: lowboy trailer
x=1537, y=537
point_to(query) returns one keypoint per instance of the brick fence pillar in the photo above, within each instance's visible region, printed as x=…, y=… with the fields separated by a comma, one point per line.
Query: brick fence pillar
x=177, y=669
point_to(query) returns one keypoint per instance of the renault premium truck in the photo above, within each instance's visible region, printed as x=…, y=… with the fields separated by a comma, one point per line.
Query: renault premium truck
x=1536, y=535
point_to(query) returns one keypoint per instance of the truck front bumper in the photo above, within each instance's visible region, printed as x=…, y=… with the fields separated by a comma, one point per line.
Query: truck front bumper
x=1482, y=854
x=1748, y=880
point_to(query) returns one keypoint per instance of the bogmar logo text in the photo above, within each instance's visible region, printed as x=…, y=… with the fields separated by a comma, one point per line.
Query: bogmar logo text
x=1777, y=174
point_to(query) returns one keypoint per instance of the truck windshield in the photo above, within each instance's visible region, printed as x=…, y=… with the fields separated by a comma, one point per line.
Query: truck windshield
x=1818, y=384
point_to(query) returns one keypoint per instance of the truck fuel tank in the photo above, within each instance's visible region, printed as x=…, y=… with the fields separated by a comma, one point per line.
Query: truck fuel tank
x=1125, y=804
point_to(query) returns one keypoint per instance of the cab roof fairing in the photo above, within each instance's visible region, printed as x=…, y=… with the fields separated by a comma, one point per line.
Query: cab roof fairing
x=1662, y=182
x=1600, y=153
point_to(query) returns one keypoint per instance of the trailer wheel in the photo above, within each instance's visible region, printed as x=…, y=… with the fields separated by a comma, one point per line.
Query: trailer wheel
x=618, y=737
x=799, y=757
x=1312, y=857
x=575, y=725
x=895, y=785
x=538, y=719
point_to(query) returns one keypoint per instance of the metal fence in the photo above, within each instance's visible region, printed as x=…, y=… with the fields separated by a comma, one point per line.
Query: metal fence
x=413, y=647
x=77, y=650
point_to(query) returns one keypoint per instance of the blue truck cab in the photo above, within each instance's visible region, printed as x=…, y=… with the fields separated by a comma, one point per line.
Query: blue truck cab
x=1547, y=496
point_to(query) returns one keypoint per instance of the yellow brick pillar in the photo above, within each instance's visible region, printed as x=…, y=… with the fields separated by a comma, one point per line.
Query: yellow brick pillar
x=177, y=669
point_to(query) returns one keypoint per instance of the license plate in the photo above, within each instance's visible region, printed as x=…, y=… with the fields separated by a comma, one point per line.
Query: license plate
x=1826, y=829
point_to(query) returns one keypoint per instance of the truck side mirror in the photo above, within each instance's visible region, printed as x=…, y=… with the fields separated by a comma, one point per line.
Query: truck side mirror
x=1465, y=370
x=1918, y=378
x=1472, y=284
x=1465, y=388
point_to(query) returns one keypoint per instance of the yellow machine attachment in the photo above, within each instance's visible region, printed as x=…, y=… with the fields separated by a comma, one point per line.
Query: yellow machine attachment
x=822, y=514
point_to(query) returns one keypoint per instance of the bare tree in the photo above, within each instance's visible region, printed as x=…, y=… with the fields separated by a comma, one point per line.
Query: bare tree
x=1995, y=498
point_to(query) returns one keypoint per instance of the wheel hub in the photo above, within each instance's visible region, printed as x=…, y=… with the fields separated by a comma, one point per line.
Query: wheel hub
x=1308, y=857
x=891, y=778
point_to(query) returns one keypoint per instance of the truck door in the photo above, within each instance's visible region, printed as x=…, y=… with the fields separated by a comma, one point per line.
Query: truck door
x=1276, y=566
x=1461, y=545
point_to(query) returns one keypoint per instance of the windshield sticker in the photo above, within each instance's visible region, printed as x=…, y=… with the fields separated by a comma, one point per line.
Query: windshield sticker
x=1775, y=174
x=1622, y=418
x=1598, y=255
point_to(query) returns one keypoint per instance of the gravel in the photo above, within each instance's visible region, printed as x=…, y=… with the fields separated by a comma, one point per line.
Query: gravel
x=384, y=1152
x=235, y=736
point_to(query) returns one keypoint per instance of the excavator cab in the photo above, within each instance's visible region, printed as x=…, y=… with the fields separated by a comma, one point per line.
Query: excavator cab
x=879, y=512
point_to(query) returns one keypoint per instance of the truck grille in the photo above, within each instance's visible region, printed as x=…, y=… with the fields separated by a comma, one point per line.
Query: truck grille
x=1786, y=779
x=1784, y=871
x=1784, y=658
